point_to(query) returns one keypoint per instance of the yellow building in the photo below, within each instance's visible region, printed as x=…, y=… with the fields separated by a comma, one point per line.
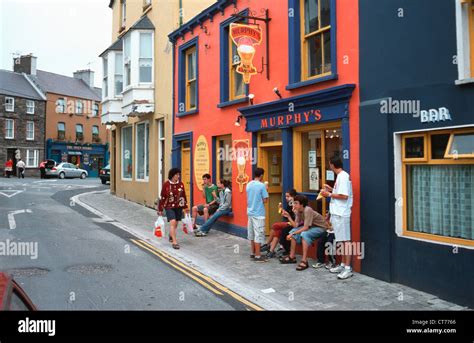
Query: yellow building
x=138, y=93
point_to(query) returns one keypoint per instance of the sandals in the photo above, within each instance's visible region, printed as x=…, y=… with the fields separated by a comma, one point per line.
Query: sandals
x=175, y=246
x=288, y=260
x=302, y=266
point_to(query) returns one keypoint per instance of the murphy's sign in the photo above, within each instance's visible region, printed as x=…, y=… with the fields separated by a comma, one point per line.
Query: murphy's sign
x=245, y=37
x=290, y=119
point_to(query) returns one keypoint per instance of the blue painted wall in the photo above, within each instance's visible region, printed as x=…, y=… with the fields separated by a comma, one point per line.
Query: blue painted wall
x=409, y=58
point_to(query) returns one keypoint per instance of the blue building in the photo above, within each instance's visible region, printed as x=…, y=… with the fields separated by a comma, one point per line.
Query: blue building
x=417, y=144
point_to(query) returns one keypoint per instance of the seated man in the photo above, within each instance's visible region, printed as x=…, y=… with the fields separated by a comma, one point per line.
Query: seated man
x=314, y=227
x=279, y=227
x=209, y=192
x=225, y=207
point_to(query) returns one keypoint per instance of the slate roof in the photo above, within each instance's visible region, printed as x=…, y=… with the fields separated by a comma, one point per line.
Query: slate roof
x=16, y=84
x=117, y=45
x=144, y=23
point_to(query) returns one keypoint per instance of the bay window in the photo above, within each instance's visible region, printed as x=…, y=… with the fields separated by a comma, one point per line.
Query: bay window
x=146, y=57
x=127, y=60
x=105, y=83
x=118, y=77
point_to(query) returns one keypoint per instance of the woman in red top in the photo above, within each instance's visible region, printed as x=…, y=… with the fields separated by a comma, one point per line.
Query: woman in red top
x=8, y=167
x=173, y=201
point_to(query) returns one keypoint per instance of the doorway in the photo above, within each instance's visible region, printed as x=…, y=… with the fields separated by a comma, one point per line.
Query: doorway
x=12, y=154
x=186, y=168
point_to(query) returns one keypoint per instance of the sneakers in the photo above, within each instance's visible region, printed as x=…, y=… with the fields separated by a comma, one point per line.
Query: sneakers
x=345, y=274
x=330, y=265
x=270, y=254
x=264, y=248
x=260, y=259
x=200, y=234
x=318, y=265
x=252, y=257
x=337, y=270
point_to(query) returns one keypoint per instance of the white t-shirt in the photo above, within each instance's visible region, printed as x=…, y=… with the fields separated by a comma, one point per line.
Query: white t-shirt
x=20, y=164
x=342, y=186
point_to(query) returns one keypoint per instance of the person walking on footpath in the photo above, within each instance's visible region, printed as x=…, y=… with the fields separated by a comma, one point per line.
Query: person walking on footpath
x=173, y=202
x=340, y=208
x=225, y=207
x=8, y=168
x=257, y=196
x=21, y=169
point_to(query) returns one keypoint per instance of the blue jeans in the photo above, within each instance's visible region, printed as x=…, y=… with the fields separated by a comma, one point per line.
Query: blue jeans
x=310, y=235
x=207, y=225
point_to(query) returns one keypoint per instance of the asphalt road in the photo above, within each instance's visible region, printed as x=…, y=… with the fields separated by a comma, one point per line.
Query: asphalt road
x=82, y=263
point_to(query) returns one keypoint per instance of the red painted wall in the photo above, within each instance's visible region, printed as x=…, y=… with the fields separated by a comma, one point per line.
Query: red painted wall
x=212, y=121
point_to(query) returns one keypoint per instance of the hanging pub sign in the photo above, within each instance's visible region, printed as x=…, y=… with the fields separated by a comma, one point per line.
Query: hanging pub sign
x=245, y=37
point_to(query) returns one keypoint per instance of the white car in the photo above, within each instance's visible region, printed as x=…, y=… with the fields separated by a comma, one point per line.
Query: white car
x=67, y=170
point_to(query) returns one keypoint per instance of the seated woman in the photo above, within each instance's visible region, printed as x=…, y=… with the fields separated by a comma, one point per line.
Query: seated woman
x=279, y=227
x=225, y=207
x=314, y=227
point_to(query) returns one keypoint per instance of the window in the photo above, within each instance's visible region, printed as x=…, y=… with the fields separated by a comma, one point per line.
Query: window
x=127, y=153
x=465, y=38
x=146, y=57
x=127, y=61
x=9, y=128
x=161, y=135
x=95, y=109
x=9, y=104
x=236, y=80
x=123, y=13
x=142, y=168
x=79, y=132
x=316, y=38
x=61, y=105
x=191, y=79
x=95, y=133
x=30, y=130
x=61, y=131
x=224, y=158
x=79, y=107
x=118, y=74
x=31, y=158
x=438, y=191
x=30, y=107
x=105, y=83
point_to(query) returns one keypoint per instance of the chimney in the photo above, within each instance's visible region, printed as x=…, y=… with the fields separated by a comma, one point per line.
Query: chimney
x=25, y=64
x=85, y=75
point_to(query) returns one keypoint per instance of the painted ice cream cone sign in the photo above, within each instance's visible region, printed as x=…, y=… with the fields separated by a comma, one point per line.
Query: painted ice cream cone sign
x=242, y=150
x=245, y=37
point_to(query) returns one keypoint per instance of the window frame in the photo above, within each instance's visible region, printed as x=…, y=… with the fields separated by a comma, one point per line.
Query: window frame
x=146, y=147
x=9, y=107
x=29, y=122
x=140, y=58
x=425, y=147
x=105, y=79
x=9, y=120
x=79, y=133
x=187, y=53
x=217, y=162
x=183, y=108
x=122, y=151
x=116, y=74
x=79, y=107
x=35, y=158
x=450, y=143
x=95, y=109
x=232, y=71
x=30, y=106
x=127, y=62
x=63, y=131
x=61, y=105
x=429, y=161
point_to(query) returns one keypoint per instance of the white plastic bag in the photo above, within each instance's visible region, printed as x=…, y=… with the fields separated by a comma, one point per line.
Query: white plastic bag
x=159, y=230
x=188, y=224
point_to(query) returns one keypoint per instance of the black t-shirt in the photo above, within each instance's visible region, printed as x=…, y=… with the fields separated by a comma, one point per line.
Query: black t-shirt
x=289, y=209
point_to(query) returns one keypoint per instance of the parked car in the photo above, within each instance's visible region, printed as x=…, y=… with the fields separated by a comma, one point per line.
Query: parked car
x=105, y=174
x=12, y=296
x=64, y=169
x=50, y=164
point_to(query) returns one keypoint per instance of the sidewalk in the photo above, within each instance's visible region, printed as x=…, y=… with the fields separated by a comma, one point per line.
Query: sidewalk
x=270, y=285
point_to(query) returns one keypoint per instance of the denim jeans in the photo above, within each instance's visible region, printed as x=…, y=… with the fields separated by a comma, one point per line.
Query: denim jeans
x=207, y=225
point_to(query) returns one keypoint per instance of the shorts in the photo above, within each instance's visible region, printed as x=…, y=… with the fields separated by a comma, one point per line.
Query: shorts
x=341, y=227
x=174, y=214
x=279, y=227
x=212, y=209
x=310, y=235
x=256, y=229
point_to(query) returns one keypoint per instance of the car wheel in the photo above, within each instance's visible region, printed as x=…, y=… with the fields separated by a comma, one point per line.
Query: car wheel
x=83, y=176
x=61, y=175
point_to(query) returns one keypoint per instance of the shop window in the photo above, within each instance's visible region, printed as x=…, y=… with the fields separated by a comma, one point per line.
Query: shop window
x=61, y=131
x=142, y=153
x=224, y=157
x=188, y=86
x=146, y=58
x=313, y=42
x=439, y=192
x=30, y=130
x=79, y=132
x=191, y=79
x=127, y=161
x=9, y=128
x=30, y=107
x=31, y=158
x=269, y=137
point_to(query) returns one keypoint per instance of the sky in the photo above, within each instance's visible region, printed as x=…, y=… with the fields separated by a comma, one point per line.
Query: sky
x=65, y=35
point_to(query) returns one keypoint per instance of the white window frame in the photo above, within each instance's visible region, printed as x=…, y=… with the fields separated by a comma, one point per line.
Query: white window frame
x=398, y=183
x=127, y=61
x=28, y=131
x=161, y=152
x=140, y=58
x=105, y=71
x=79, y=107
x=30, y=107
x=9, y=107
x=12, y=128
x=145, y=147
x=121, y=153
x=61, y=105
x=463, y=43
x=117, y=73
x=35, y=158
x=95, y=109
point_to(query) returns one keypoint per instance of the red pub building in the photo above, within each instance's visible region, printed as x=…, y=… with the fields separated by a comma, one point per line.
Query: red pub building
x=272, y=84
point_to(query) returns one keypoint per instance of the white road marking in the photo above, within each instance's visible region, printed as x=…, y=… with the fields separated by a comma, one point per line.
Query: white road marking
x=268, y=290
x=11, y=217
x=14, y=192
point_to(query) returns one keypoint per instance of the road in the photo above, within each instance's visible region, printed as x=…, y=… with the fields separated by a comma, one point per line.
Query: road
x=73, y=261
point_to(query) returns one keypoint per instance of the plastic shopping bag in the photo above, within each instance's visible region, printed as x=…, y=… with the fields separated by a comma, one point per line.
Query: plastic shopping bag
x=188, y=224
x=159, y=230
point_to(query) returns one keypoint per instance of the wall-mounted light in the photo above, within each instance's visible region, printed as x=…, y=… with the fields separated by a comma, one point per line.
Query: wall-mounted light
x=237, y=122
x=277, y=92
x=251, y=97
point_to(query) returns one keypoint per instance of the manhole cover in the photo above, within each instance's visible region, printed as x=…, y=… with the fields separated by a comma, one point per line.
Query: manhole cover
x=90, y=269
x=27, y=272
